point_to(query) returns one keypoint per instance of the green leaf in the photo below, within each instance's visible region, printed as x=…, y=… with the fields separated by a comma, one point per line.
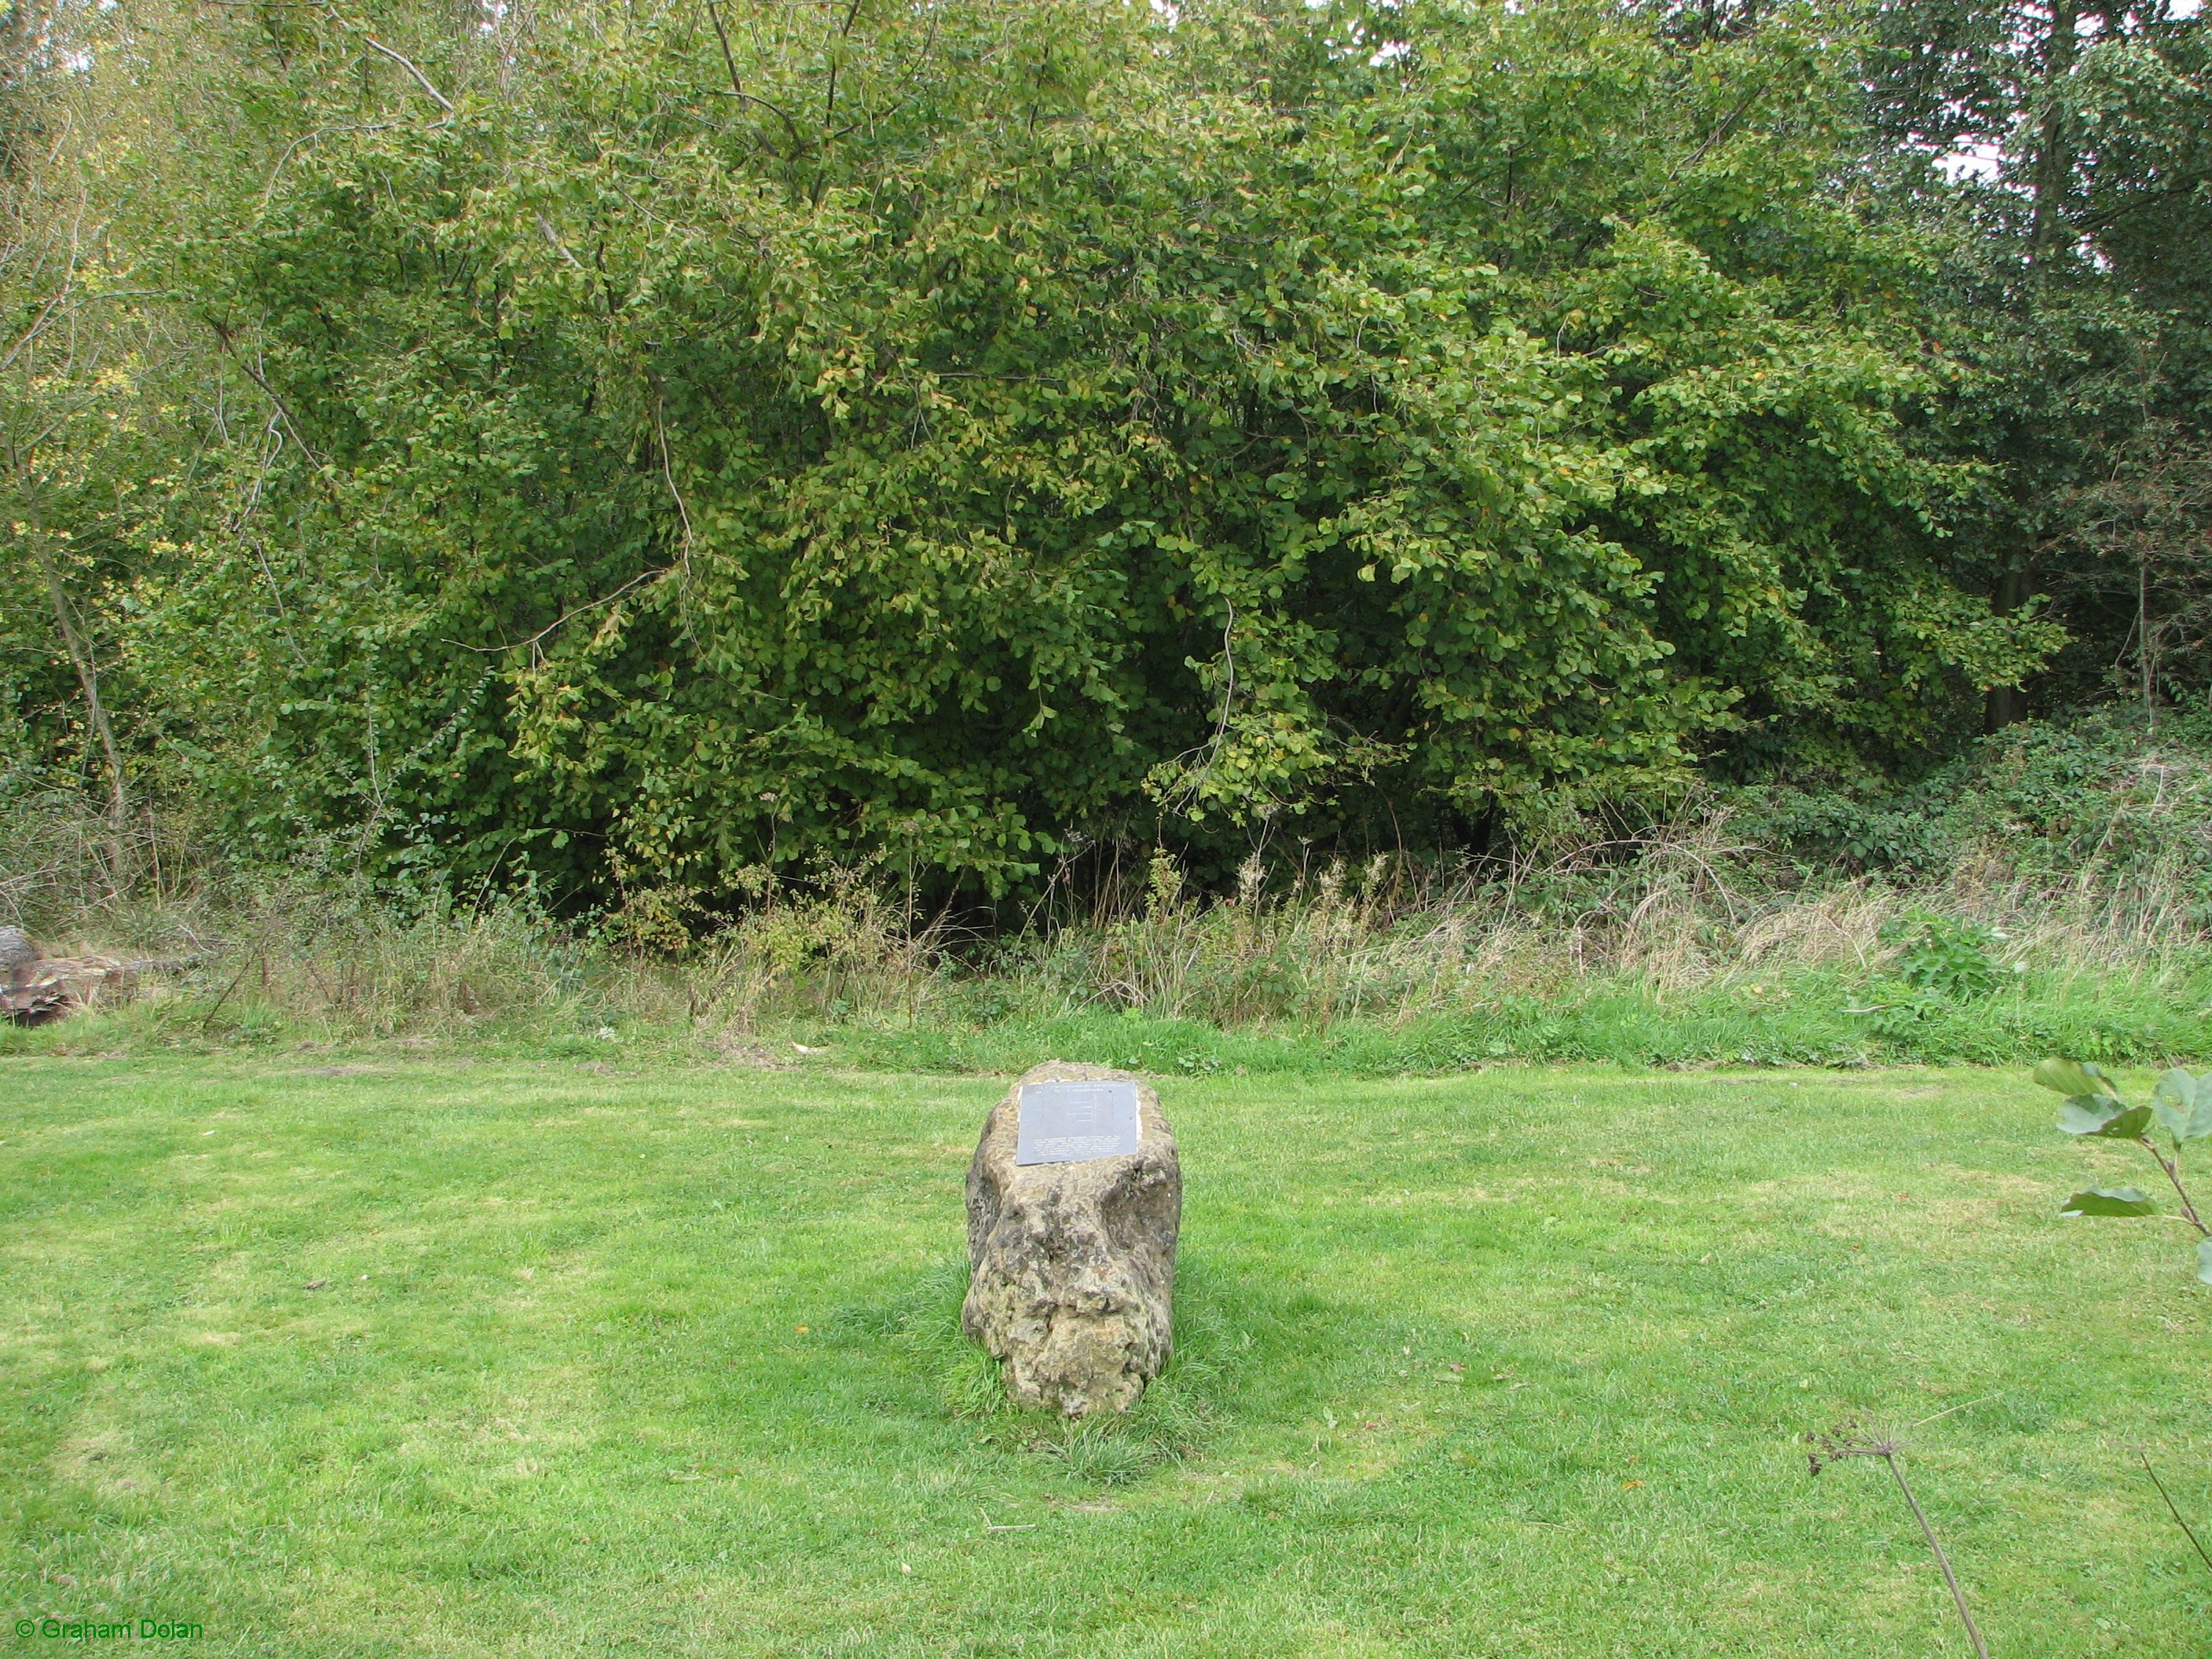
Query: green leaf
x=2173, y=1100
x=2074, y=1077
x=2109, y=1200
x=2184, y=1104
x=2107, y=1118
x=2205, y=1260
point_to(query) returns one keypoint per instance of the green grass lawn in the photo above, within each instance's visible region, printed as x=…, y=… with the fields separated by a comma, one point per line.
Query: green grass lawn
x=421, y=1356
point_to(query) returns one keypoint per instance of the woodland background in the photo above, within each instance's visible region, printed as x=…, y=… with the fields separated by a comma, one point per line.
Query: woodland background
x=936, y=473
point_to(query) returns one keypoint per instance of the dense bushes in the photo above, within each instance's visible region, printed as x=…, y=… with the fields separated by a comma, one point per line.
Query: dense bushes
x=648, y=455
x=2100, y=804
x=946, y=439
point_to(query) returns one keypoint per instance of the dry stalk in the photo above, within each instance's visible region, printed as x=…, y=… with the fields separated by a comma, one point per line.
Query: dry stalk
x=1848, y=1440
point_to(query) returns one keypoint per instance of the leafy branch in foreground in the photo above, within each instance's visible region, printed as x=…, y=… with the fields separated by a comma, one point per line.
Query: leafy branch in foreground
x=1849, y=1439
x=2181, y=1103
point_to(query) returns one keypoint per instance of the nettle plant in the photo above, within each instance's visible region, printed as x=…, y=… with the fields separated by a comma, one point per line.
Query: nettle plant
x=2181, y=1104
x=1942, y=961
x=1948, y=957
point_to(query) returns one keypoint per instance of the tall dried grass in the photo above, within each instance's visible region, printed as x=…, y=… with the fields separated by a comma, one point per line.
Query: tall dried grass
x=1679, y=912
x=1673, y=913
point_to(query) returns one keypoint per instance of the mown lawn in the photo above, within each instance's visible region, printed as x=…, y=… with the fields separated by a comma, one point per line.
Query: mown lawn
x=419, y=1357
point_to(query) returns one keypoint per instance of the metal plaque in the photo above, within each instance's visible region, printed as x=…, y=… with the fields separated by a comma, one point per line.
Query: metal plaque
x=1071, y=1122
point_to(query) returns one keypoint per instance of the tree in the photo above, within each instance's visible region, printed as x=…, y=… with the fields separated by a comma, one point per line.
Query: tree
x=722, y=440
x=2077, y=245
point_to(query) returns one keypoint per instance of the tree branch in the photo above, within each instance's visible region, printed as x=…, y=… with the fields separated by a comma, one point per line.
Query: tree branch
x=88, y=677
x=737, y=86
x=420, y=79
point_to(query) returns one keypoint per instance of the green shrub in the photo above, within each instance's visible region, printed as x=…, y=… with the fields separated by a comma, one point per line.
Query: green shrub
x=2097, y=803
x=1946, y=956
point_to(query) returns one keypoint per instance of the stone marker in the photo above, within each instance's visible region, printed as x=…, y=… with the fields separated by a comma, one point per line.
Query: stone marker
x=1074, y=1197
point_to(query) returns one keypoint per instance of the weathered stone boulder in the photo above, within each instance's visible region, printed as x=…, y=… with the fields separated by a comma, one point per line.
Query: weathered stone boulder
x=1072, y=1264
x=31, y=992
x=36, y=989
x=17, y=954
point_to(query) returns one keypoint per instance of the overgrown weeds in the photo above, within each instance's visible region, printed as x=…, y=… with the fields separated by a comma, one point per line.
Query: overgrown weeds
x=2042, y=926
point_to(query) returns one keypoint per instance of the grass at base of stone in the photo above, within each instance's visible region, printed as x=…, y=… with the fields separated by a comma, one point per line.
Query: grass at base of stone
x=1167, y=1424
x=502, y=1357
x=1812, y=1019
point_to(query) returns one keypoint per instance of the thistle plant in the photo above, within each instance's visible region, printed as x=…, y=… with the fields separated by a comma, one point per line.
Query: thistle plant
x=2181, y=1104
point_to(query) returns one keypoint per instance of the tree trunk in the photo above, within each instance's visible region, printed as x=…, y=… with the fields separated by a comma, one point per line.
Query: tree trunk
x=2054, y=178
x=88, y=677
x=2054, y=140
x=2008, y=703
